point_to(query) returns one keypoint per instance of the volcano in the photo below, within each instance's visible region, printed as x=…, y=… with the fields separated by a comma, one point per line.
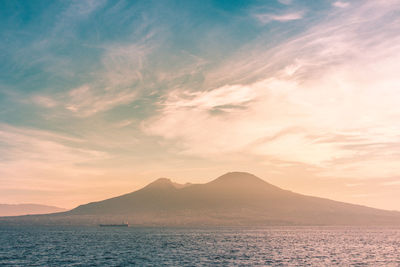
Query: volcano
x=233, y=199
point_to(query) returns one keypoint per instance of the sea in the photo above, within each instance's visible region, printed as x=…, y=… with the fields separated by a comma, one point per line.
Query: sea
x=239, y=246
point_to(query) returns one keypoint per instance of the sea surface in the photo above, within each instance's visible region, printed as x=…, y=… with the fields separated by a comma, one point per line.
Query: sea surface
x=271, y=246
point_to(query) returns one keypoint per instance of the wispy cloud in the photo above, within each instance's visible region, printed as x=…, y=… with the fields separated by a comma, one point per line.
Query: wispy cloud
x=99, y=75
x=44, y=101
x=74, y=13
x=266, y=18
x=86, y=100
x=117, y=83
x=326, y=81
x=285, y=2
x=340, y=4
x=391, y=183
x=20, y=144
x=31, y=160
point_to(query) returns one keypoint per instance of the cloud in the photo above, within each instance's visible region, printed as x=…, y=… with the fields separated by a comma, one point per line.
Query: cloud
x=46, y=148
x=266, y=18
x=44, y=101
x=238, y=118
x=46, y=167
x=123, y=63
x=74, y=13
x=391, y=183
x=117, y=83
x=354, y=184
x=335, y=82
x=124, y=123
x=285, y=2
x=33, y=159
x=86, y=100
x=109, y=68
x=340, y=4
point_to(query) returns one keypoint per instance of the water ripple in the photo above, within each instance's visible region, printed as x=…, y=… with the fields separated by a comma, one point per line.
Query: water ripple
x=272, y=246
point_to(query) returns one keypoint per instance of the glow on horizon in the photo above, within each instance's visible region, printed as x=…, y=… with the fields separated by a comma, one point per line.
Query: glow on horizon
x=113, y=95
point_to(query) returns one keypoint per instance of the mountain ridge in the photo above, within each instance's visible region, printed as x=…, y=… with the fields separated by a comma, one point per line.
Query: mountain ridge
x=27, y=208
x=234, y=199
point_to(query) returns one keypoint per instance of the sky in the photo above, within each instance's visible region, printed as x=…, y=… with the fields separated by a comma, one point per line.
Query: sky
x=99, y=98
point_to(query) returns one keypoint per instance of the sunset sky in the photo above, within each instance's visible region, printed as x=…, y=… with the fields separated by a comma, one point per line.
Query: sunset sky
x=99, y=98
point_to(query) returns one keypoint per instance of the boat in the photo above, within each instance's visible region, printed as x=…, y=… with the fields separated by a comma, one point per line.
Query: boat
x=125, y=224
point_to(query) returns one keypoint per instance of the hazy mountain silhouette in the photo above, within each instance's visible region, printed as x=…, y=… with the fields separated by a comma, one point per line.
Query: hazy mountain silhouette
x=235, y=198
x=24, y=209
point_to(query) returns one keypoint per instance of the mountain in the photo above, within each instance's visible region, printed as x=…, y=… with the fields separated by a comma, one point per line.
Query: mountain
x=234, y=199
x=24, y=209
